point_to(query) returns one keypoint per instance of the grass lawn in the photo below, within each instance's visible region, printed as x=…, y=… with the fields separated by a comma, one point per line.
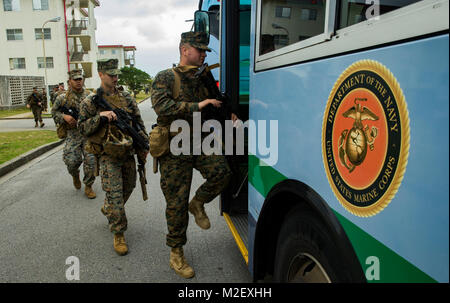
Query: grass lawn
x=141, y=96
x=13, y=144
x=12, y=112
x=21, y=110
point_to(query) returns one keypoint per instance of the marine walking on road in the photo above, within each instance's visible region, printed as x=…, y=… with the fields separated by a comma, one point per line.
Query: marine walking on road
x=100, y=114
x=65, y=112
x=35, y=102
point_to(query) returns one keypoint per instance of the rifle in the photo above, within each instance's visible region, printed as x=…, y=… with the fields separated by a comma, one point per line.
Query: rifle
x=210, y=112
x=123, y=123
x=71, y=111
x=142, y=178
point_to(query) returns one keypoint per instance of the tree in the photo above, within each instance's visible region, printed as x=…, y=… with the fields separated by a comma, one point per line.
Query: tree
x=134, y=78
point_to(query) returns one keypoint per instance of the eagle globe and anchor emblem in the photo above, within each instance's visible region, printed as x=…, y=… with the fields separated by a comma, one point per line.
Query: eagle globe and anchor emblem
x=357, y=139
x=366, y=104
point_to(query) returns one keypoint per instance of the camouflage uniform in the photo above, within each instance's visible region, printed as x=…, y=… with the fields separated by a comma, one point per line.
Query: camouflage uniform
x=176, y=171
x=53, y=95
x=33, y=100
x=118, y=174
x=60, y=90
x=44, y=100
x=74, y=148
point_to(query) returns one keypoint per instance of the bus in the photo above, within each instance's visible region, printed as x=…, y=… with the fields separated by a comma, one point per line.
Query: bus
x=358, y=90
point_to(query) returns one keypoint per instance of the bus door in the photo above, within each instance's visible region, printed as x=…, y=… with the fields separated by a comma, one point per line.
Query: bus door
x=234, y=50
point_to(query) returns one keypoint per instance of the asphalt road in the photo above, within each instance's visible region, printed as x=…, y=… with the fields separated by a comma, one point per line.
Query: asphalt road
x=44, y=220
x=12, y=125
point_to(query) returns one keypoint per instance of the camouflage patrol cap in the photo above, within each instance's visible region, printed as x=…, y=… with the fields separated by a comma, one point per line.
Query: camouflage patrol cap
x=196, y=39
x=75, y=74
x=108, y=66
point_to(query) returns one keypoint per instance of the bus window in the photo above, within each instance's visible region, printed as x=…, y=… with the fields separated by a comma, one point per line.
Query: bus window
x=285, y=22
x=355, y=11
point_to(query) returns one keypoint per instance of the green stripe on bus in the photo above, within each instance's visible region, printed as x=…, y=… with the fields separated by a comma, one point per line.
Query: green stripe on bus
x=262, y=177
x=392, y=267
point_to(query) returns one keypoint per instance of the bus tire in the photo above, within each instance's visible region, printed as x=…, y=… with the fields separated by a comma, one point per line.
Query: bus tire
x=305, y=250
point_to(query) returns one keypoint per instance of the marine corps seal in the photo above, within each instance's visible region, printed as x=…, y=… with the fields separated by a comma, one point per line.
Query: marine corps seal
x=365, y=138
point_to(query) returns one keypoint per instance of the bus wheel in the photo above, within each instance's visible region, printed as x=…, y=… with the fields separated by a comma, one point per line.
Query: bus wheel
x=305, y=251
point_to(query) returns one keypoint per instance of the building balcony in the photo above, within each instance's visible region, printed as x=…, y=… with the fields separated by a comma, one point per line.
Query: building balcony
x=130, y=62
x=85, y=3
x=129, y=55
x=78, y=29
x=77, y=58
x=87, y=67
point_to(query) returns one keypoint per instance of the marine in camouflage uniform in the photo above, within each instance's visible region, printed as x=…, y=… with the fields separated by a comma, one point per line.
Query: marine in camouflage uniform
x=117, y=169
x=44, y=100
x=176, y=170
x=74, y=149
x=60, y=90
x=35, y=102
x=53, y=95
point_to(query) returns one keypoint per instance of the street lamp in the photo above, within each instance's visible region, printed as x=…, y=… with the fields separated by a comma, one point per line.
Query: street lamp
x=56, y=19
x=276, y=26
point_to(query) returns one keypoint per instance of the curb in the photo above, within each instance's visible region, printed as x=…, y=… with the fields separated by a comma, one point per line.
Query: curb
x=22, y=159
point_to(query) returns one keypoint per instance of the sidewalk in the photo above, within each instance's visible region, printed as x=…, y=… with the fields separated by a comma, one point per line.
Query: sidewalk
x=28, y=115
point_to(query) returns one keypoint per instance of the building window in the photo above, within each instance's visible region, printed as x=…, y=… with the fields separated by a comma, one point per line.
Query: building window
x=47, y=33
x=40, y=5
x=102, y=52
x=308, y=14
x=11, y=5
x=113, y=52
x=282, y=12
x=14, y=34
x=16, y=63
x=40, y=61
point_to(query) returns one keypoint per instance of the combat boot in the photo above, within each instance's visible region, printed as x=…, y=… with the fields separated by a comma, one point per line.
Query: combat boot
x=89, y=192
x=179, y=264
x=76, y=181
x=36, y=125
x=120, y=246
x=198, y=210
x=42, y=124
x=103, y=210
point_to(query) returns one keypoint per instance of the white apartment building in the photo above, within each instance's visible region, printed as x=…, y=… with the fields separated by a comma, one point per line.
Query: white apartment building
x=125, y=54
x=69, y=43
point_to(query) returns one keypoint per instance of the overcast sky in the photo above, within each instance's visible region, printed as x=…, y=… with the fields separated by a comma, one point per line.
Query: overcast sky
x=153, y=26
